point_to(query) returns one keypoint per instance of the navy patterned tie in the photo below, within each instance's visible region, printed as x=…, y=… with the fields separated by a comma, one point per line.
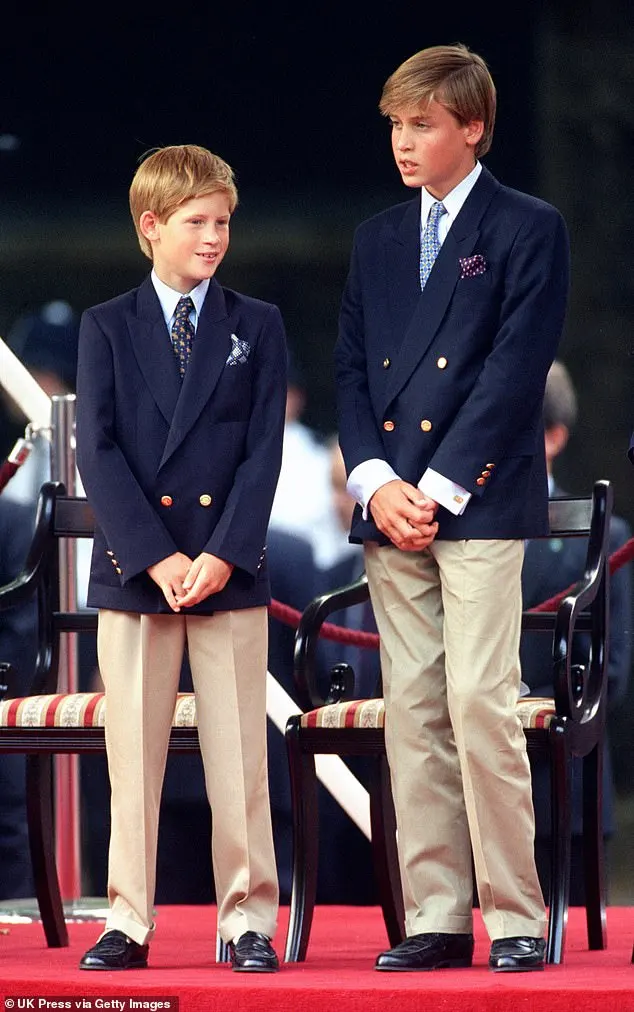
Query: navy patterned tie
x=429, y=241
x=183, y=333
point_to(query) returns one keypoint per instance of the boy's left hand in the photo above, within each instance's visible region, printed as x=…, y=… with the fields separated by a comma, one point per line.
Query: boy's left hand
x=207, y=575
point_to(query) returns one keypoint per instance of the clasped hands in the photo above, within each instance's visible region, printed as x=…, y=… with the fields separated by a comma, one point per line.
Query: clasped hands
x=185, y=582
x=403, y=513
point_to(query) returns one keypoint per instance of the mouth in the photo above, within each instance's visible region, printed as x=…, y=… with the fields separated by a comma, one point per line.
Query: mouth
x=407, y=166
x=210, y=258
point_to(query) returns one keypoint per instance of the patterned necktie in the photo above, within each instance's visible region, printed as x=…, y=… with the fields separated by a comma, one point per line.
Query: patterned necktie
x=183, y=333
x=429, y=241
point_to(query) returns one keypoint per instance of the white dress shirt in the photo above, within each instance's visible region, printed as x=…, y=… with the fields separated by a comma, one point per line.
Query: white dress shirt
x=371, y=474
x=169, y=299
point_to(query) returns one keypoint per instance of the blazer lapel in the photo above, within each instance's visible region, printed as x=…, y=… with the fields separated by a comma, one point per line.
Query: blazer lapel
x=431, y=304
x=153, y=350
x=210, y=350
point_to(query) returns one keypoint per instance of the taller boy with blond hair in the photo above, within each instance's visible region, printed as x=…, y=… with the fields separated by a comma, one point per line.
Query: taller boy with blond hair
x=180, y=412
x=450, y=320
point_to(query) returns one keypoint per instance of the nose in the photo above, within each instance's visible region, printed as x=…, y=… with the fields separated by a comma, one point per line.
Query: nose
x=211, y=235
x=404, y=140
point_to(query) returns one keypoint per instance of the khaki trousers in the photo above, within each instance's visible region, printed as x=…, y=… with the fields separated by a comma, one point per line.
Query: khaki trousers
x=449, y=620
x=140, y=660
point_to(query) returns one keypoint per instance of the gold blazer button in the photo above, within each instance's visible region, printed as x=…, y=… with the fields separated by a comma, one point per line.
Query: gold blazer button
x=425, y=425
x=166, y=500
x=442, y=362
x=205, y=499
x=117, y=570
x=490, y=465
x=481, y=481
x=486, y=474
x=389, y=426
x=386, y=363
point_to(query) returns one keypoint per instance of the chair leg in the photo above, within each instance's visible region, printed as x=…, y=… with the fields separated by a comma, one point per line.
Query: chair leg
x=560, y=782
x=593, y=850
x=41, y=822
x=384, y=852
x=304, y=803
x=223, y=952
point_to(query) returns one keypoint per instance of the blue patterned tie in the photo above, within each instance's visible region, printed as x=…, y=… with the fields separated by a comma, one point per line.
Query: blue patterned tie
x=183, y=333
x=429, y=242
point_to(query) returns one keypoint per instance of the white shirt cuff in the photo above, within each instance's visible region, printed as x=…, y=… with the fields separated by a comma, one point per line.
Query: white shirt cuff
x=444, y=491
x=365, y=478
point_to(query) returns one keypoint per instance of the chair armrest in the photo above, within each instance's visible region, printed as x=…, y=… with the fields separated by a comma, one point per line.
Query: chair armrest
x=24, y=586
x=307, y=637
x=581, y=690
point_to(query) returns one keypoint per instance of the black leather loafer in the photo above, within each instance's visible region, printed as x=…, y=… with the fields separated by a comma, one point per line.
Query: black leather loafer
x=518, y=953
x=433, y=951
x=253, y=953
x=115, y=951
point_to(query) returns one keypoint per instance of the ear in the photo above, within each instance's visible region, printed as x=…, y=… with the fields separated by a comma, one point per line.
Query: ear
x=555, y=439
x=473, y=132
x=148, y=225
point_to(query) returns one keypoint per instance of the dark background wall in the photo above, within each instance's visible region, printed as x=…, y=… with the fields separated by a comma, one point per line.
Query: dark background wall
x=287, y=94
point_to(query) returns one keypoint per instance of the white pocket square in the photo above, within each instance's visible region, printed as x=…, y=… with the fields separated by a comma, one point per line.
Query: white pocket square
x=240, y=351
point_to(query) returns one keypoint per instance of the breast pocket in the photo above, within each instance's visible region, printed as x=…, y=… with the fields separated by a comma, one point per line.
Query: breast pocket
x=231, y=400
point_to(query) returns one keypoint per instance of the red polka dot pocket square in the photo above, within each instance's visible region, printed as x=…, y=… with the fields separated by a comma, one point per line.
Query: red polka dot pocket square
x=470, y=267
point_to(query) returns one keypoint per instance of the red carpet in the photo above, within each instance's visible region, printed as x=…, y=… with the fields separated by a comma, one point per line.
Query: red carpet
x=337, y=975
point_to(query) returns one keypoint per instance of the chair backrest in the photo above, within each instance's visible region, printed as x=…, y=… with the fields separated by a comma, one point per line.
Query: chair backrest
x=580, y=690
x=59, y=517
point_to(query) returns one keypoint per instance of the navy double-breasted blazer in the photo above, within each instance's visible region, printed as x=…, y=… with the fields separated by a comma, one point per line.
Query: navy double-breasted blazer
x=453, y=377
x=185, y=466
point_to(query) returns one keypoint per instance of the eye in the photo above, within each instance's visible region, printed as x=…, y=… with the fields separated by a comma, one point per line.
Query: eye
x=395, y=123
x=196, y=221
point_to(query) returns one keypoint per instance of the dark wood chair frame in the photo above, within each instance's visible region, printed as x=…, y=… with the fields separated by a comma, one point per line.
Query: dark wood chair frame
x=576, y=730
x=58, y=516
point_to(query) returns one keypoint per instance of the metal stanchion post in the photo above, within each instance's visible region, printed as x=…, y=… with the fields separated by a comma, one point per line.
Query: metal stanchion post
x=67, y=794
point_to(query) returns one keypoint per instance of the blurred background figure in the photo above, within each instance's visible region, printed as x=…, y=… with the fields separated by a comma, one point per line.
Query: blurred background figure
x=549, y=567
x=303, y=503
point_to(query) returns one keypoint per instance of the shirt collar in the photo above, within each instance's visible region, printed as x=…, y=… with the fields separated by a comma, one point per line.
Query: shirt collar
x=169, y=298
x=454, y=200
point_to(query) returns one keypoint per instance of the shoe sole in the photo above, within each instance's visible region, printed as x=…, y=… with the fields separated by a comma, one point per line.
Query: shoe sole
x=445, y=964
x=115, y=969
x=516, y=969
x=255, y=969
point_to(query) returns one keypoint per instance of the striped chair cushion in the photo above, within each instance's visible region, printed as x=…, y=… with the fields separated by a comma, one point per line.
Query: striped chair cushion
x=78, y=709
x=533, y=711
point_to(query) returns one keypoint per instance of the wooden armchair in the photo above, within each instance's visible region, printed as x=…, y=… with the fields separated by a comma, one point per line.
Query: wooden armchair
x=569, y=725
x=47, y=722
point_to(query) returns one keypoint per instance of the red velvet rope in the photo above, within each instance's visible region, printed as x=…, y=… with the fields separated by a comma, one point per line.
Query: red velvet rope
x=330, y=631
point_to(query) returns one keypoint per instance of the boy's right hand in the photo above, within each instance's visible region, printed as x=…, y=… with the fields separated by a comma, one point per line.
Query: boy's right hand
x=169, y=574
x=405, y=515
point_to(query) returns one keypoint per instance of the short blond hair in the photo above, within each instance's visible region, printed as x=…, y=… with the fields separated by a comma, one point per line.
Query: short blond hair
x=169, y=176
x=452, y=75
